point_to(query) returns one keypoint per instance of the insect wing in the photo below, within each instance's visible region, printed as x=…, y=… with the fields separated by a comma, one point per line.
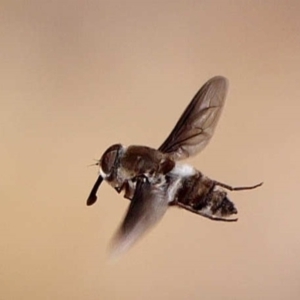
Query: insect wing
x=147, y=207
x=196, y=125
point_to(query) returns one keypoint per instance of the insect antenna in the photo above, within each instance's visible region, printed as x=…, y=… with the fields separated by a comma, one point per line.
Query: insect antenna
x=95, y=164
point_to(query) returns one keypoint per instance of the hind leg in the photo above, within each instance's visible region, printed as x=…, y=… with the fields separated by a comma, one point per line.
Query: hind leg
x=239, y=188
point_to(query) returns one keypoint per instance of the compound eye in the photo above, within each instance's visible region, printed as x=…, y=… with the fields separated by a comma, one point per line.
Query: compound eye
x=109, y=158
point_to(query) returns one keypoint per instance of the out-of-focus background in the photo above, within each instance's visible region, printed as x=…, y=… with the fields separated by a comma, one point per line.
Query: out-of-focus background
x=78, y=76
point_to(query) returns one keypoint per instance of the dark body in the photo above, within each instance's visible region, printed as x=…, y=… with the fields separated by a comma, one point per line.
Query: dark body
x=185, y=186
x=154, y=180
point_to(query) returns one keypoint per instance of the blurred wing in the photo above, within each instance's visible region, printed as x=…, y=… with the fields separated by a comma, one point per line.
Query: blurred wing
x=93, y=197
x=196, y=126
x=147, y=207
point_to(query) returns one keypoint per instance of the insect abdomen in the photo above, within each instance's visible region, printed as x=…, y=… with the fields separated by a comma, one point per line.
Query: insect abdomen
x=201, y=195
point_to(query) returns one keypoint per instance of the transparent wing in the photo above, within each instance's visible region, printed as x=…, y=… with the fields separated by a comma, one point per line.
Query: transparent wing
x=147, y=207
x=196, y=126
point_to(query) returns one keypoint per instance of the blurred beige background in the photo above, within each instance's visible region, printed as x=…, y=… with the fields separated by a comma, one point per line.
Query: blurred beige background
x=78, y=76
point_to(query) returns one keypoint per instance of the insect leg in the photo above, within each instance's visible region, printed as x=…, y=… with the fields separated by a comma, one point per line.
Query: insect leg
x=239, y=188
x=204, y=214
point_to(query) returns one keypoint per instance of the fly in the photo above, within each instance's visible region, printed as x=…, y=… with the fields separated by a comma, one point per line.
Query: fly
x=153, y=179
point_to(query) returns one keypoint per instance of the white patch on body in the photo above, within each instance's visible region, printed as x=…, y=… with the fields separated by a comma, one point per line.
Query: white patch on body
x=173, y=188
x=183, y=170
x=102, y=173
x=179, y=171
x=206, y=212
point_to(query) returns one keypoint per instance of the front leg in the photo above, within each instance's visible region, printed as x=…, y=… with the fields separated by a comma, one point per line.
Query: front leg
x=128, y=187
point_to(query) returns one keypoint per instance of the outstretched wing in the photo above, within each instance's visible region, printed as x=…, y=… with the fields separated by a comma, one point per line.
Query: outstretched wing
x=147, y=207
x=196, y=126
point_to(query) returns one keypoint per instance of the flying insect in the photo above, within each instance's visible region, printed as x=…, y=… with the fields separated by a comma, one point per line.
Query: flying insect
x=154, y=179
